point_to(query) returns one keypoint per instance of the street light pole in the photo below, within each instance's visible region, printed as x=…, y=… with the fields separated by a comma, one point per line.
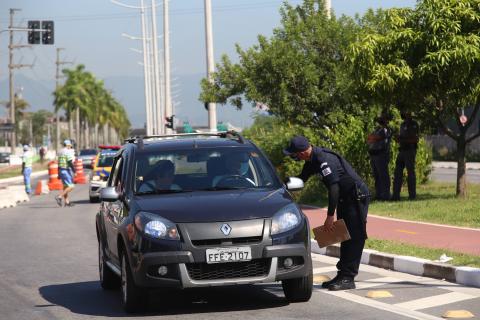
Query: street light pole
x=146, y=74
x=212, y=112
x=328, y=8
x=158, y=99
x=166, y=54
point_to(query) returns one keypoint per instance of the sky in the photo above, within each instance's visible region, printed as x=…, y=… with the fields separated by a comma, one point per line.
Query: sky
x=90, y=32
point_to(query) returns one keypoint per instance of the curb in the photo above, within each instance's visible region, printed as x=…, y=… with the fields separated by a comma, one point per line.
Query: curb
x=19, y=178
x=416, y=266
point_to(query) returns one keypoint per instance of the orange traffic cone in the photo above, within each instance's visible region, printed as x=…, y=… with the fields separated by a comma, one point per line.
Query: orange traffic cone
x=54, y=183
x=42, y=188
x=79, y=175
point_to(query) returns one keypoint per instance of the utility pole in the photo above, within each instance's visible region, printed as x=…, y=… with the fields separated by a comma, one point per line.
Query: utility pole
x=58, y=63
x=212, y=108
x=11, y=67
x=158, y=99
x=166, y=51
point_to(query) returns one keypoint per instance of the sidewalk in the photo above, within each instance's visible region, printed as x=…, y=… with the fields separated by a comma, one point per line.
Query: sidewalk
x=458, y=239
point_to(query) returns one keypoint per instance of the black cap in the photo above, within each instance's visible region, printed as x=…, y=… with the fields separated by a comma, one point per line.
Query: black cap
x=297, y=144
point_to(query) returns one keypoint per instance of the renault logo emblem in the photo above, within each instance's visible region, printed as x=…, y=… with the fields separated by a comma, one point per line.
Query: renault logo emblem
x=226, y=229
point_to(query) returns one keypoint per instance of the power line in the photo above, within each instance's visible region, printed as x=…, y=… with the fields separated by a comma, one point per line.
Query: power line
x=177, y=12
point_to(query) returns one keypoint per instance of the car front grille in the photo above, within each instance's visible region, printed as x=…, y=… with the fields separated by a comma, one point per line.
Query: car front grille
x=213, y=242
x=231, y=270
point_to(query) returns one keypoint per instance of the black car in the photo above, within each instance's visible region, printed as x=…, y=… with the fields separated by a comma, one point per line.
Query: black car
x=200, y=210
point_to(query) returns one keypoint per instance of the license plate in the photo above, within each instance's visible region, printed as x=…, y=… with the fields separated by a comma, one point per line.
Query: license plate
x=232, y=254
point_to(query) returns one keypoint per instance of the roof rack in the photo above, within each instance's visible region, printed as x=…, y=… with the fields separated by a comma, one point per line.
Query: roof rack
x=222, y=134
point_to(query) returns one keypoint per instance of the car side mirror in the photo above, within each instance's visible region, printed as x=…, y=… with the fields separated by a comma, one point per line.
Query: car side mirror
x=294, y=184
x=109, y=194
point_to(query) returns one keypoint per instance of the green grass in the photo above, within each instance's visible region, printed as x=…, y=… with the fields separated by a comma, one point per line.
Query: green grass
x=399, y=248
x=17, y=170
x=436, y=202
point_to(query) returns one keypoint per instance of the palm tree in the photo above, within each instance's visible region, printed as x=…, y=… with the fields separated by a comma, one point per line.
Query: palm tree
x=94, y=106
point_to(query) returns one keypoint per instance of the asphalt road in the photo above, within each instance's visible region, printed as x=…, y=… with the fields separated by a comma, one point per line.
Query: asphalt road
x=450, y=175
x=48, y=270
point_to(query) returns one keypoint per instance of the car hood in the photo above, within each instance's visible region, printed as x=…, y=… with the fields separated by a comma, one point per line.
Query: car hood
x=212, y=206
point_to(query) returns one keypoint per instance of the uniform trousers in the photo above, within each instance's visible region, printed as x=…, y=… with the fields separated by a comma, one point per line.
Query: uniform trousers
x=405, y=159
x=379, y=164
x=354, y=213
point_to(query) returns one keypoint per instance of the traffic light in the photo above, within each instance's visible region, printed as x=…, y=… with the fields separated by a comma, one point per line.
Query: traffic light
x=33, y=36
x=47, y=36
x=169, y=124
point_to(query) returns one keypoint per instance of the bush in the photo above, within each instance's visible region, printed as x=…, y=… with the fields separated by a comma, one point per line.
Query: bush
x=348, y=139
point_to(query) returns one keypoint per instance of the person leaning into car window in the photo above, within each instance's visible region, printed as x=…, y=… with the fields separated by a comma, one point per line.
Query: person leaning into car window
x=347, y=195
x=160, y=178
x=236, y=167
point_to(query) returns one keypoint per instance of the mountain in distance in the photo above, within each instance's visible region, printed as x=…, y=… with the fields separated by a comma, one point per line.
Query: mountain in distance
x=129, y=91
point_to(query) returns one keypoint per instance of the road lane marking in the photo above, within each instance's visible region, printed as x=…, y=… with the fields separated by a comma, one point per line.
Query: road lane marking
x=406, y=231
x=435, y=301
x=379, y=305
x=324, y=269
x=371, y=283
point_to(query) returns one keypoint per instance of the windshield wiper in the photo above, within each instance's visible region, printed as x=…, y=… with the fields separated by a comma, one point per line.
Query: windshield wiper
x=162, y=191
x=223, y=188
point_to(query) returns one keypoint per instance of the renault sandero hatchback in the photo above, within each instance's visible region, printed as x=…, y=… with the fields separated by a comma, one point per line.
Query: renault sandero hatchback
x=199, y=210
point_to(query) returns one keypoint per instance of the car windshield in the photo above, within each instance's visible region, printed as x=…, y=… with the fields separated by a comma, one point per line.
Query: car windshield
x=209, y=169
x=88, y=152
x=106, y=160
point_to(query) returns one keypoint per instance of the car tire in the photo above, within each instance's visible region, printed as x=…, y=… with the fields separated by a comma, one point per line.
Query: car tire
x=108, y=279
x=134, y=298
x=94, y=199
x=298, y=289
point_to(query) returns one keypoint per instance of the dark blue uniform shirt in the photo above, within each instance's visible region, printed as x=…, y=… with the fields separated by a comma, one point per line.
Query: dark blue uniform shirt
x=332, y=169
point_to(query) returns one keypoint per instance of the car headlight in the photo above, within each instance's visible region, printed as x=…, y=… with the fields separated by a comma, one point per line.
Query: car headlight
x=96, y=178
x=156, y=226
x=286, y=219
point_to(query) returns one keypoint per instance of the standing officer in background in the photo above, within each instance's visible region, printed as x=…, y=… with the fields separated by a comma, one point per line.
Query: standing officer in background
x=379, y=150
x=347, y=195
x=27, y=162
x=408, y=141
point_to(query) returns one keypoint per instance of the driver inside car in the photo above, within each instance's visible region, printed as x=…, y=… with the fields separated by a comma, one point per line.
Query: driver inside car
x=161, y=178
x=236, y=167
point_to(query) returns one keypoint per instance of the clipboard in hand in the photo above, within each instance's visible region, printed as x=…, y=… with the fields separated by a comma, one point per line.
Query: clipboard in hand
x=339, y=234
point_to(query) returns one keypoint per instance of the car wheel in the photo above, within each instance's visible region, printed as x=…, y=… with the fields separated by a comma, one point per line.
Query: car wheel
x=94, y=199
x=108, y=279
x=299, y=289
x=133, y=297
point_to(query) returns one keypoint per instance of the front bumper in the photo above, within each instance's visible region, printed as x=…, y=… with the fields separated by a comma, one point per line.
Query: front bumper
x=187, y=267
x=95, y=187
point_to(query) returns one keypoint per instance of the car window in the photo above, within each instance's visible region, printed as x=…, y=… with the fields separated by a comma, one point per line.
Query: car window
x=116, y=173
x=203, y=169
x=105, y=159
x=88, y=152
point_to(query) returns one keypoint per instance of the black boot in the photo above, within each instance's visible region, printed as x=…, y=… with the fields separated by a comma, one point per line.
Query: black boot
x=342, y=284
x=326, y=284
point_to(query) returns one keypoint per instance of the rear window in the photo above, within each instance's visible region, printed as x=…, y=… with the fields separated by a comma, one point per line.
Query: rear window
x=88, y=152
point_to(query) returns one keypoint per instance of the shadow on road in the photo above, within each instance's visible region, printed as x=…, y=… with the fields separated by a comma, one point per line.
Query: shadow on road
x=89, y=299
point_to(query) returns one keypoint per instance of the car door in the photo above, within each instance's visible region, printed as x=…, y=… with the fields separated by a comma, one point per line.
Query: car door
x=112, y=210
